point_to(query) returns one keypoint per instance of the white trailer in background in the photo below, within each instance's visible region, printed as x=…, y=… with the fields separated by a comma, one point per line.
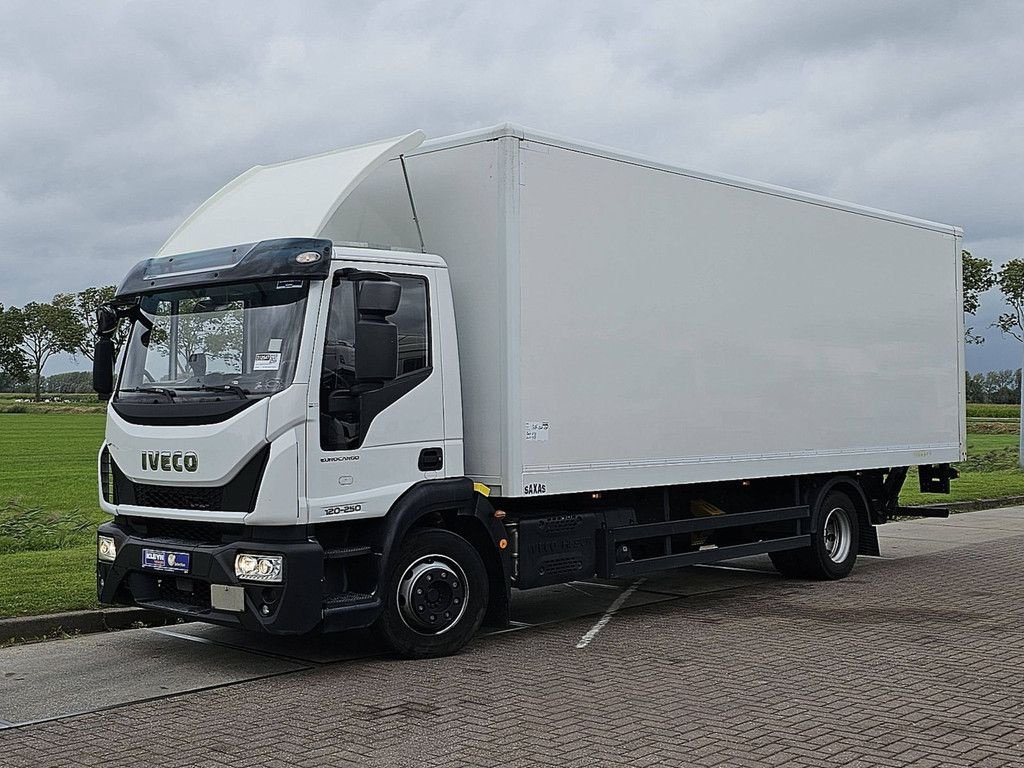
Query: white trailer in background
x=409, y=376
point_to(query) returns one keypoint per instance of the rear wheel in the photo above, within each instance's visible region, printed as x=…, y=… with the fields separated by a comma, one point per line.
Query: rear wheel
x=435, y=596
x=834, y=544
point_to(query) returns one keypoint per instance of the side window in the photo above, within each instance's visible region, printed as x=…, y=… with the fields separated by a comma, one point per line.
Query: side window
x=411, y=319
x=346, y=406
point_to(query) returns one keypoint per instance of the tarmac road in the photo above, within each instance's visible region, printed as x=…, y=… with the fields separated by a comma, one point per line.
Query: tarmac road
x=916, y=659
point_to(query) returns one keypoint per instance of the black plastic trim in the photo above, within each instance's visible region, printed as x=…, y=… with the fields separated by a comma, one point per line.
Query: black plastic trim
x=265, y=259
x=181, y=413
x=295, y=605
x=430, y=498
x=237, y=495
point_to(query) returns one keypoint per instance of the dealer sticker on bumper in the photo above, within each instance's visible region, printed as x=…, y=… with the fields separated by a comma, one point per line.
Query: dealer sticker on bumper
x=162, y=560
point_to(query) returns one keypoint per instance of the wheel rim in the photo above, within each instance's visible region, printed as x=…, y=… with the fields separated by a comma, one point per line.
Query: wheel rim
x=432, y=594
x=838, y=532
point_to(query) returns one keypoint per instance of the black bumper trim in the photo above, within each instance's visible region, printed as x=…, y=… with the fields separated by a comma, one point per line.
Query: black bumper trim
x=293, y=607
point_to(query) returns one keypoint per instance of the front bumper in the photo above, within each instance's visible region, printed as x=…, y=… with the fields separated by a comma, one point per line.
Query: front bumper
x=294, y=606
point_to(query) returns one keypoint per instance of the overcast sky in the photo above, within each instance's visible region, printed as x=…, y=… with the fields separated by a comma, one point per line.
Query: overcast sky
x=117, y=119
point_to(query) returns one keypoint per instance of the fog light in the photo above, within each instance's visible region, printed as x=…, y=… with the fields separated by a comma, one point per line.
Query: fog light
x=106, y=549
x=259, y=567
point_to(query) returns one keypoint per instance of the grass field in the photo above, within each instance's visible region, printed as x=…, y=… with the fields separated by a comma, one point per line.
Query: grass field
x=993, y=410
x=74, y=403
x=990, y=472
x=49, y=510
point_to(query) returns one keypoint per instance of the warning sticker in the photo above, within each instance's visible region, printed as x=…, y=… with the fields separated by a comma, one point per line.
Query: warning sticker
x=537, y=431
x=267, y=361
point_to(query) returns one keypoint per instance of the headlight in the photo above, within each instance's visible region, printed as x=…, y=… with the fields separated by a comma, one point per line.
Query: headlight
x=106, y=549
x=259, y=567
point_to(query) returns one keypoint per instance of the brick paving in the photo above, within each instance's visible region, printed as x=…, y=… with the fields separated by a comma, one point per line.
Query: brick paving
x=917, y=662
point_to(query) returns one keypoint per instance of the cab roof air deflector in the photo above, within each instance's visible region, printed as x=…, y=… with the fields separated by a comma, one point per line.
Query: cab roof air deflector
x=291, y=199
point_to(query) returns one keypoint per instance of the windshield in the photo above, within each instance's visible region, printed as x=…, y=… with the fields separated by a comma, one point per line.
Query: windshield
x=241, y=338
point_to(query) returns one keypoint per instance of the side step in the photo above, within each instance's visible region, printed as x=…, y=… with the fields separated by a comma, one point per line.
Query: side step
x=347, y=599
x=342, y=553
x=352, y=610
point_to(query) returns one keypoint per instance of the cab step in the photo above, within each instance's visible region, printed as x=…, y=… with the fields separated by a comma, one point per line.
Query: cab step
x=342, y=553
x=347, y=599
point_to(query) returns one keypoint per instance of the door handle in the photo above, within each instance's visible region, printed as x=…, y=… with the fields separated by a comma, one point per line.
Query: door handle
x=431, y=459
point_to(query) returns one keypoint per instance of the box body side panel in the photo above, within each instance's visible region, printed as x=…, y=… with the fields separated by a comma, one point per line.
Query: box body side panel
x=459, y=202
x=678, y=330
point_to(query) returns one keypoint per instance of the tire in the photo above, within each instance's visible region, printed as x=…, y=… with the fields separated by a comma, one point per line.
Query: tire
x=834, y=545
x=419, y=619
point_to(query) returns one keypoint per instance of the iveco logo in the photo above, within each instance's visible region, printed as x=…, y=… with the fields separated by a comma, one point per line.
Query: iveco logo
x=170, y=461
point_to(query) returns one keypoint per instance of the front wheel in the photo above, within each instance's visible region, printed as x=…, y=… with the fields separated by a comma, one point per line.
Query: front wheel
x=834, y=544
x=435, y=596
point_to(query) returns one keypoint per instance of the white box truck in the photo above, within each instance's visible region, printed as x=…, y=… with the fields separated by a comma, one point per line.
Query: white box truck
x=383, y=386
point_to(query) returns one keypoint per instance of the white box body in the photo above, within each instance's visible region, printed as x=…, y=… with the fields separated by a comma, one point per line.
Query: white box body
x=622, y=323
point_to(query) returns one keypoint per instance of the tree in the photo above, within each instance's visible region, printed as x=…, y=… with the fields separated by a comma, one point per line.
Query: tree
x=975, y=383
x=1002, y=386
x=1010, y=279
x=70, y=382
x=978, y=278
x=218, y=334
x=13, y=366
x=84, y=304
x=48, y=329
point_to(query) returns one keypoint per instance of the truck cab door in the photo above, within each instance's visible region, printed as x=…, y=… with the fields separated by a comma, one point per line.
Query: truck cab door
x=369, y=443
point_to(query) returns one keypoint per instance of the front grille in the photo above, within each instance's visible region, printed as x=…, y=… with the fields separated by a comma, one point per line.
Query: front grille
x=191, y=531
x=172, y=497
x=237, y=495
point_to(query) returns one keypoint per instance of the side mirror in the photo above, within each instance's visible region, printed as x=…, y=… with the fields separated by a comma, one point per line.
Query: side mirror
x=376, y=336
x=103, y=367
x=106, y=320
x=378, y=298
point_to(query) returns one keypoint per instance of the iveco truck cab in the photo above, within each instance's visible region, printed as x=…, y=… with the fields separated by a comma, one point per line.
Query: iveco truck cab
x=309, y=432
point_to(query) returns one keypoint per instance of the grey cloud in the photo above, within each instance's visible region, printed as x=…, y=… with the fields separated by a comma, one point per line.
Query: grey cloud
x=118, y=118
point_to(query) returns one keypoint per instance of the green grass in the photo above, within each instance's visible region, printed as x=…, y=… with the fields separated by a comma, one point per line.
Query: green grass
x=991, y=471
x=48, y=487
x=74, y=397
x=993, y=409
x=34, y=583
x=48, y=511
x=21, y=402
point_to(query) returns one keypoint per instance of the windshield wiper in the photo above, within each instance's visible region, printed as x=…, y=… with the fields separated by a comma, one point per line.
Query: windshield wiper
x=232, y=388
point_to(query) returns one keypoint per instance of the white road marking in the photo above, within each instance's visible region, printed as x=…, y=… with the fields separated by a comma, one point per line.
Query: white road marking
x=619, y=602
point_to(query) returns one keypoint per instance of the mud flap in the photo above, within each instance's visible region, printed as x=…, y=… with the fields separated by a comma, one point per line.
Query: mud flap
x=868, y=536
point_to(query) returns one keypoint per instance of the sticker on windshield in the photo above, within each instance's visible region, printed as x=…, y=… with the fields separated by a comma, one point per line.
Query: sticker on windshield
x=274, y=345
x=267, y=361
x=282, y=284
